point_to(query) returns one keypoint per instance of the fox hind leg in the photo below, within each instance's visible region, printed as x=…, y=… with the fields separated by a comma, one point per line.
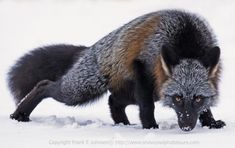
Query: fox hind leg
x=31, y=100
x=83, y=83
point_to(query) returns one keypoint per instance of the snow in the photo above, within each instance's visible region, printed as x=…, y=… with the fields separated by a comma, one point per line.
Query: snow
x=28, y=24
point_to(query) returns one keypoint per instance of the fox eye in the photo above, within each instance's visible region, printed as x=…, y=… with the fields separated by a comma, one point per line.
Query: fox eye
x=177, y=98
x=198, y=98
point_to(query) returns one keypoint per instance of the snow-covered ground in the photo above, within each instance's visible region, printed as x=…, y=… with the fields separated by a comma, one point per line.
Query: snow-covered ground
x=28, y=24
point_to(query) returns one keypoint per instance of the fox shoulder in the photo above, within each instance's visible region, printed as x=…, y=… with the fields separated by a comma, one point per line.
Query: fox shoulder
x=130, y=42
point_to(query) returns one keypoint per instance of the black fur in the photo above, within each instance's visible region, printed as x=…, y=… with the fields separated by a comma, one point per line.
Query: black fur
x=140, y=92
x=49, y=62
x=143, y=92
x=191, y=42
x=211, y=57
x=118, y=100
x=170, y=57
x=206, y=118
x=31, y=100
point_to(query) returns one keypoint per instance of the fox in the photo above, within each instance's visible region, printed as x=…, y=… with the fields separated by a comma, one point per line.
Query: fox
x=171, y=56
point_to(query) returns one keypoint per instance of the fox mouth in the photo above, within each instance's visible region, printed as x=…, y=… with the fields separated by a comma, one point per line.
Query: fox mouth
x=186, y=128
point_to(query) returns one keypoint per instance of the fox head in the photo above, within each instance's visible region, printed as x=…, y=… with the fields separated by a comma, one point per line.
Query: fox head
x=190, y=86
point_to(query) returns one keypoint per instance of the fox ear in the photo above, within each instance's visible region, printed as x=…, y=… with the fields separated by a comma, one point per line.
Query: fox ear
x=169, y=59
x=211, y=59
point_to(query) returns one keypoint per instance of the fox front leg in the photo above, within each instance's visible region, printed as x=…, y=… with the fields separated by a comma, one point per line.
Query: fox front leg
x=143, y=91
x=206, y=118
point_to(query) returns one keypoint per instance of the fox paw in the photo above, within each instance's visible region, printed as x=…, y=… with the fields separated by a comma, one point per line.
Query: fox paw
x=214, y=124
x=19, y=116
x=217, y=124
x=153, y=126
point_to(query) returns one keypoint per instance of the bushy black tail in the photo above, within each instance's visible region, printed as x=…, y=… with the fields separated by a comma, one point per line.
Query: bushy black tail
x=49, y=62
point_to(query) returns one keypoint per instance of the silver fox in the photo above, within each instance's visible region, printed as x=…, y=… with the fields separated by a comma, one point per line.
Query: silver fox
x=168, y=55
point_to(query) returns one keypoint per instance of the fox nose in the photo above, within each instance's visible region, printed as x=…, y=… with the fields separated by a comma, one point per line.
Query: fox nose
x=187, y=121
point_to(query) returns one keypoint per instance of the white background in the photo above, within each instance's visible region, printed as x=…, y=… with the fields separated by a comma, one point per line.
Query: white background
x=26, y=24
